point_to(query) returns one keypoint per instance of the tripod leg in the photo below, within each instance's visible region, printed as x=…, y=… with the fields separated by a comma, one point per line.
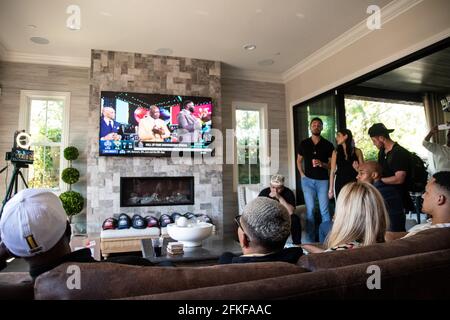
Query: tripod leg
x=23, y=179
x=9, y=190
x=6, y=167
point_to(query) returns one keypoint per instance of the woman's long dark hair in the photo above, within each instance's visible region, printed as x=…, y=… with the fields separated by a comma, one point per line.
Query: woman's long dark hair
x=349, y=143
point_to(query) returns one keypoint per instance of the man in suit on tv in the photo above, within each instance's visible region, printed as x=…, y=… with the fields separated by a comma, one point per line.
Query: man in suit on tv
x=189, y=126
x=108, y=126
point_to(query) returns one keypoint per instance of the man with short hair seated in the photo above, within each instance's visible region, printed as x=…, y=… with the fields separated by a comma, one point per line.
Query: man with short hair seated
x=263, y=229
x=34, y=226
x=436, y=203
x=371, y=172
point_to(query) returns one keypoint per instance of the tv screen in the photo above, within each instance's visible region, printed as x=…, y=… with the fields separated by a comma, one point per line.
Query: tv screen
x=137, y=124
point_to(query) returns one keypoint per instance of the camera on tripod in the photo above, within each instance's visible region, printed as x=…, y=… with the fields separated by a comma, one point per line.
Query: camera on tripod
x=21, y=153
x=20, y=156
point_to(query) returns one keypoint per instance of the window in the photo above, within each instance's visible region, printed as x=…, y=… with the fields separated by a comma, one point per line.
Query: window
x=408, y=120
x=45, y=116
x=251, y=145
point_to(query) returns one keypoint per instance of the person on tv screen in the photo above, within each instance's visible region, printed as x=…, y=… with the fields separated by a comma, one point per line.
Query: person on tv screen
x=152, y=128
x=188, y=124
x=108, y=126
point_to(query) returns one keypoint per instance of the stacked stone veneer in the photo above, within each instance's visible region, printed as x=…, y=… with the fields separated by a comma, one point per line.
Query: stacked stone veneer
x=133, y=72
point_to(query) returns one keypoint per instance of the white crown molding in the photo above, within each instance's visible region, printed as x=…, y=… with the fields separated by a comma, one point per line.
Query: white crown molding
x=389, y=12
x=395, y=57
x=14, y=56
x=241, y=74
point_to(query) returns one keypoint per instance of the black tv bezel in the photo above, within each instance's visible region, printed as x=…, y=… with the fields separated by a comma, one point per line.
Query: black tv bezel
x=165, y=154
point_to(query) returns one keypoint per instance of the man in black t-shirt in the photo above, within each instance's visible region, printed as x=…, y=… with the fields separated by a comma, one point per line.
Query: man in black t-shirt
x=277, y=191
x=316, y=153
x=394, y=160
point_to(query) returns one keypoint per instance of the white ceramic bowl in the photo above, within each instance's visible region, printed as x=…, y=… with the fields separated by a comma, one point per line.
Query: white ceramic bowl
x=190, y=236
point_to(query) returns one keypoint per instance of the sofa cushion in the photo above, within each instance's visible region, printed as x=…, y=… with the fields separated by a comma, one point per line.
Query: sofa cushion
x=16, y=286
x=111, y=281
x=419, y=276
x=425, y=241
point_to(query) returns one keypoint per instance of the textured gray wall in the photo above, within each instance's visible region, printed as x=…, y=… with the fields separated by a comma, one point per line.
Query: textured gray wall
x=24, y=76
x=121, y=71
x=168, y=75
x=273, y=95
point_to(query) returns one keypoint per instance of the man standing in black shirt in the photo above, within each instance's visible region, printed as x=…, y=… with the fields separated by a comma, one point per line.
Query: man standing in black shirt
x=277, y=191
x=394, y=160
x=316, y=152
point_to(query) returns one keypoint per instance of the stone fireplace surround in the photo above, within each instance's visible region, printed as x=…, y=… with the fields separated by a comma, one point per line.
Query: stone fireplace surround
x=133, y=72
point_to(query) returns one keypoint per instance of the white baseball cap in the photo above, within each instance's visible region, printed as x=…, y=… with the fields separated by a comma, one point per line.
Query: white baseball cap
x=33, y=222
x=277, y=180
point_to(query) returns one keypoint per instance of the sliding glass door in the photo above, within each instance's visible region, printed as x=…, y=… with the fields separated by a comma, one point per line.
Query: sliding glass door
x=326, y=107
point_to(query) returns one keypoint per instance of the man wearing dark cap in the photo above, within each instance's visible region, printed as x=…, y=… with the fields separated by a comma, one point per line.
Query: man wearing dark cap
x=394, y=161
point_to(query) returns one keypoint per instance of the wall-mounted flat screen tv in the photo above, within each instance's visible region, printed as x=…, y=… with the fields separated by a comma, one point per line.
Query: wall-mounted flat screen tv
x=141, y=124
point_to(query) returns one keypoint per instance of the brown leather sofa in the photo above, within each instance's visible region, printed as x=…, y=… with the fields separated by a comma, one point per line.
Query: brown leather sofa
x=417, y=267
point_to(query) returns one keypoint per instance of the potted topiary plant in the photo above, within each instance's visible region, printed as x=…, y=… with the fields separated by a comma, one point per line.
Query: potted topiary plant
x=72, y=201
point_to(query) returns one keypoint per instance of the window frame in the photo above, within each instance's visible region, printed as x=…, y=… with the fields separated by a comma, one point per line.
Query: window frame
x=24, y=119
x=264, y=138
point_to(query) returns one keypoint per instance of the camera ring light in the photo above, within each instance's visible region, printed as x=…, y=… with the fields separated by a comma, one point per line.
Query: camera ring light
x=21, y=137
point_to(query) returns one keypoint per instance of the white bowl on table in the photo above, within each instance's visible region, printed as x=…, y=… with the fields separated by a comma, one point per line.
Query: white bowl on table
x=190, y=235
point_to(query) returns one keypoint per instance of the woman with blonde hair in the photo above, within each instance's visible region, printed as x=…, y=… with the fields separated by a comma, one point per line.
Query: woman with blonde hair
x=360, y=219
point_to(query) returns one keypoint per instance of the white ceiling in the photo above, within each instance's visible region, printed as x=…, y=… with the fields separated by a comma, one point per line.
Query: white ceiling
x=286, y=31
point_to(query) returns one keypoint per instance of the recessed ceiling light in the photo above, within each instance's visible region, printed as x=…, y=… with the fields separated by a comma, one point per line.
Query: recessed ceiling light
x=249, y=47
x=164, y=51
x=267, y=62
x=106, y=14
x=299, y=15
x=32, y=26
x=39, y=40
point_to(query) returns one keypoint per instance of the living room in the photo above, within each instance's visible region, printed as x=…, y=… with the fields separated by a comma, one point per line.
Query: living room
x=83, y=58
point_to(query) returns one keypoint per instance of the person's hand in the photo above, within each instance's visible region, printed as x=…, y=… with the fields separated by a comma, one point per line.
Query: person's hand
x=158, y=130
x=317, y=163
x=109, y=136
x=330, y=194
x=434, y=130
x=273, y=194
x=117, y=136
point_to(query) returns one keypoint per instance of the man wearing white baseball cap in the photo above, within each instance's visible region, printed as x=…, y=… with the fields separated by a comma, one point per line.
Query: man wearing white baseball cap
x=34, y=226
x=279, y=192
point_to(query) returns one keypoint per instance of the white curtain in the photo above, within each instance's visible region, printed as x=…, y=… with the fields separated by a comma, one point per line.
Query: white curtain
x=434, y=115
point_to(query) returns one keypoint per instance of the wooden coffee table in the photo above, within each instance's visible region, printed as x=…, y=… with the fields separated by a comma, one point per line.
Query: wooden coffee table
x=209, y=253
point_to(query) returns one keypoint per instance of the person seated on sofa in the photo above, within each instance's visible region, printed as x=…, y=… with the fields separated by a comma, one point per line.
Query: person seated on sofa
x=360, y=219
x=277, y=191
x=263, y=229
x=34, y=226
x=371, y=172
x=436, y=203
